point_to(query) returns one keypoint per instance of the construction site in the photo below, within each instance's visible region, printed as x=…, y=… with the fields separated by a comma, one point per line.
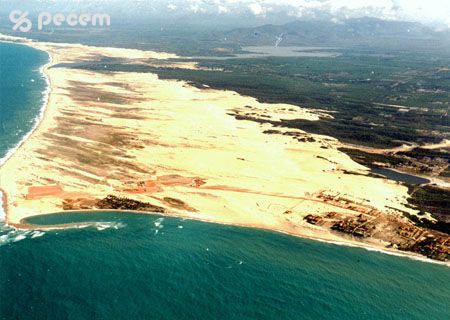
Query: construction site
x=391, y=228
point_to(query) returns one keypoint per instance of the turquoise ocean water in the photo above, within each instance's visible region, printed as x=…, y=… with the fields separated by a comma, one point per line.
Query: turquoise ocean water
x=130, y=266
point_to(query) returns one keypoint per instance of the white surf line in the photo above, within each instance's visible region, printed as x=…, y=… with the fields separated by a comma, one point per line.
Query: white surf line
x=37, y=120
x=45, y=100
x=2, y=211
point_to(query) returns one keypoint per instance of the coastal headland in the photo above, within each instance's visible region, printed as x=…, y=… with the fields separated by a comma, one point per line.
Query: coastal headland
x=131, y=141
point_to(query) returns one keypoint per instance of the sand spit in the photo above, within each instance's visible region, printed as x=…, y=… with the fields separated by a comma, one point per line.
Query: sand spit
x=183, y=149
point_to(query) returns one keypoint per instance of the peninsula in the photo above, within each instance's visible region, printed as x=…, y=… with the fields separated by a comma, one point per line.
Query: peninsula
x=118, y=140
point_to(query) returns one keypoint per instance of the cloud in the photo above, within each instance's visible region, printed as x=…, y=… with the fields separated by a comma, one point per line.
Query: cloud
x=431, y=12
x=256, y=9
x=222, y=9
x=172, y=7
x=259, y=10
x=196, y=7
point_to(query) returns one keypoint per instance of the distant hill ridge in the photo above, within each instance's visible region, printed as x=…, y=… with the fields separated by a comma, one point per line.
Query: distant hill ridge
x=352, y=31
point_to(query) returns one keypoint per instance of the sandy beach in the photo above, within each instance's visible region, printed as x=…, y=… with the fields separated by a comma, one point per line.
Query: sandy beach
x=182, y=149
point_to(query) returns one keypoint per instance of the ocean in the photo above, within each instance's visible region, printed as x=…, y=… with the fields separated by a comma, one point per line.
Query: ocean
x=133, y=266
x=23, y=91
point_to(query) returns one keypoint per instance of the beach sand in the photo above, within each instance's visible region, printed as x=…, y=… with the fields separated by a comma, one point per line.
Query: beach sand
x=179, y=147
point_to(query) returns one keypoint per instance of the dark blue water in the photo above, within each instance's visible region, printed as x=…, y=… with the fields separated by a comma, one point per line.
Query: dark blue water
x=130, y=266
x=399, y=176
x=22, y=91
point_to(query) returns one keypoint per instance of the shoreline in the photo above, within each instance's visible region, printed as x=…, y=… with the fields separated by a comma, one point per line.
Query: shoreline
x=44, y=104
x=3, y=206
x=350, y=243
x=279, y=227
x=38, y=120
x=432, y=179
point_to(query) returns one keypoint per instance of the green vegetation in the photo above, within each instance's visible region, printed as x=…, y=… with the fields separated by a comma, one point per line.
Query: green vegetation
x=351, y=87
x=372, y=159
x=389, y=86
x=376, y=99
x=434, y=200
x=431, y=199
x=423, y=161
x=182, y=40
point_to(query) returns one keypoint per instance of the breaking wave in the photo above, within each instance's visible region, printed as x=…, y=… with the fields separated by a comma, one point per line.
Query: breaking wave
x=10, y=235
x=39, y=117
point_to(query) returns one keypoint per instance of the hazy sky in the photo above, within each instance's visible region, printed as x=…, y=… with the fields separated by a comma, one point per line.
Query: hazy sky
x=427, y=11
x=431, y=12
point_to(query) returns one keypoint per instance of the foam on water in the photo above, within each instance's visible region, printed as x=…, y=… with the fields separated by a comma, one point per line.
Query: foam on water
x=205, y=271
x=10, y=235
x=37, y=234
x=2, y=211
x=100, y=226
x=39, y=117
x=158, y=225
x=386, y=251
x=109, y=225
x=20, y=132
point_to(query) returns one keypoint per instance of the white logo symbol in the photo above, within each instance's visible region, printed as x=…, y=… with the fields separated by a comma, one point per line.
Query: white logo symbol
x=22, y=23
x=20, y=20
